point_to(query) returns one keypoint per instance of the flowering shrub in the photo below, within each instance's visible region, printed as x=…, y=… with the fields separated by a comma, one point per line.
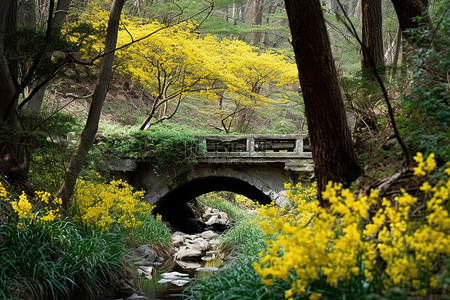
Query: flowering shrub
x=367, y=244
x=44, y=207
x=104, y=205
x=3, y=193
x=245, y=202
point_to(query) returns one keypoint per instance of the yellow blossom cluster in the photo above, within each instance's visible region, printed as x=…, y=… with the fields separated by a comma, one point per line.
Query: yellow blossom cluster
x=175, y=61
x=381, y=242
x=104, y=205
x=245, y=202
x=3, y=193
x=44, y=209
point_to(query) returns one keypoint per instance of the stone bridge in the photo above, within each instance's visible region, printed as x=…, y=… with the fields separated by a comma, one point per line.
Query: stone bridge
x=256, y=166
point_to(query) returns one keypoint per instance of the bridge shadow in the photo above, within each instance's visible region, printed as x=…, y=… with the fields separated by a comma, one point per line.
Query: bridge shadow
x=173, y=206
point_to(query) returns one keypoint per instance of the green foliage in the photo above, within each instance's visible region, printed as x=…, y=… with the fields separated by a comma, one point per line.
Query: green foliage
x=221, y=201
x=235, y=281
x=151, y=231
x=244, y=238
x=166, y=146
x=53, y=260
x=51, y=149
x=427, y=113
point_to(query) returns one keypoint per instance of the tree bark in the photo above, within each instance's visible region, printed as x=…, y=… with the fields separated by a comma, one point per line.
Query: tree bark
x=332, y=148
x=407, y=10
x=372, y=34
x=14, y=153
x=398, y=43
x=34, y=104
x=86, y=140
x=8, y=105
x=256, y=20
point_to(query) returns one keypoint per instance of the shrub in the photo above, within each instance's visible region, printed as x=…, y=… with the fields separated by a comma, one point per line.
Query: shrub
x=359, y=246
x=114, y=206
x=164, y=145
x=426, y=107
x=104, y=205
x=45, y=208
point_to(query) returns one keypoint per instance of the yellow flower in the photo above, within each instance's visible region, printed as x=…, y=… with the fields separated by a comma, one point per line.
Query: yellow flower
x=20, y=226
x=3, y=193
x=315, y=296
x=23, y=207
x=426, y=187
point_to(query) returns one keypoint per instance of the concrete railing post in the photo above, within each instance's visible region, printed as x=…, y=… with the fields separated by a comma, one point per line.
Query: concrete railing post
x=250, y=145
x=299, y=145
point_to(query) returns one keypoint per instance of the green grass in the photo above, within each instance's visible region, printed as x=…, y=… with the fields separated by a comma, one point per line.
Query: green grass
x=244, y=239
x=235, y=281
x=150, y=232
x=219, y=201
x=56, y=260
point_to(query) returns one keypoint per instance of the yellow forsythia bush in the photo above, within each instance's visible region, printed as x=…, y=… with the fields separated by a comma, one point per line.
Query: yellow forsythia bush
x=104, y=205
x=379, y=243
x=45, y=208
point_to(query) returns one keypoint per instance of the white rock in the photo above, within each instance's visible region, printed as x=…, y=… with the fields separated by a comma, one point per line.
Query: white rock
x=212, y=220
x=136, y=297
x=177, y=239
x=188, y=265
x=147, y=271
x=180, y=282
x=207, y=269
x=164, y=280
x=214, y=242
x=208, y=235
x=186, y=253
x=174, y=275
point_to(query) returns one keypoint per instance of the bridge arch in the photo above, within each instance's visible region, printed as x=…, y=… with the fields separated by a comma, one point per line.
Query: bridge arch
x=263, y=183
x=256, y=166
x=173, y=205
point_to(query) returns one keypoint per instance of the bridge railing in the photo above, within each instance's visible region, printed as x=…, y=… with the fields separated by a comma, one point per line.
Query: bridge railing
x=275, y=146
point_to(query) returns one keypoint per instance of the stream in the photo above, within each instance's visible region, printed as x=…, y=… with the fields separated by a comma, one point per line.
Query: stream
x=193, y=256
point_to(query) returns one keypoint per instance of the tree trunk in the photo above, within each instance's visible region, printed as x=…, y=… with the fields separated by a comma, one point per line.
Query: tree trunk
x=14, y=162
x=86, y=139
x=27, y=14
x=398, y=43
x=34, y=104
x=234, y=14
x=8, y=105
x=372, y=35
x=407, y=10
x=256, y=20
x=332, y=148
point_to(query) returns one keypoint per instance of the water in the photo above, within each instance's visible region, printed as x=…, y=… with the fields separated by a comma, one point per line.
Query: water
x=156, y=291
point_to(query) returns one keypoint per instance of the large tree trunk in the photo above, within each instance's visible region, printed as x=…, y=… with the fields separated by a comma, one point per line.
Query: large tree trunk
x=86, y=139
x=372, y=34
x=14, y=154
x=407, y=10
x=8, y=104
x=332, y=148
